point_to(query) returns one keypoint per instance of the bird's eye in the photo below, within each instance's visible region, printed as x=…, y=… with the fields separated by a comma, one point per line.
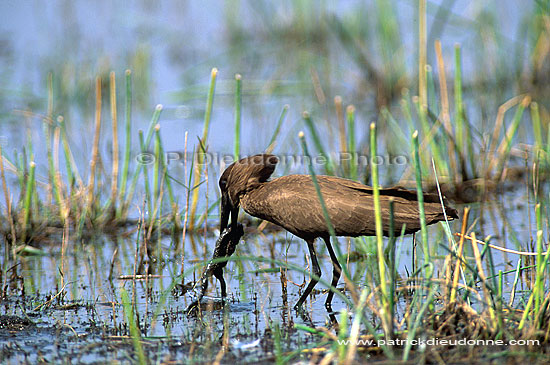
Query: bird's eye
x=223, y=184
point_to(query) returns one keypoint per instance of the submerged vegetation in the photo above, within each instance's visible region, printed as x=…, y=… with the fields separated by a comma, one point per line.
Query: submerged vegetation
x=473, y=136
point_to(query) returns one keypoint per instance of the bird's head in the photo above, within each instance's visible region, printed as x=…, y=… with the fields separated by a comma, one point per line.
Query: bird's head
x=239, y=178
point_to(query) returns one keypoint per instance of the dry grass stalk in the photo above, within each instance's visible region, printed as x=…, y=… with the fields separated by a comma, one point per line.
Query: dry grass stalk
x=95, y=146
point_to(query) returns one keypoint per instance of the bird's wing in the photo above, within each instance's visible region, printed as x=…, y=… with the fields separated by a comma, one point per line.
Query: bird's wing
x=395, y=191
x=406, y=211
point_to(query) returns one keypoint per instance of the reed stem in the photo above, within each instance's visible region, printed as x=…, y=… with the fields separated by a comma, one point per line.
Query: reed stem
x=95, y=146
x=7, y=198
x=422, y=49
x=114, y=175
x=459, y=107
x=273, y=140
x=145, y=175
x=506, y=145
x=238, y=106
x=341, y=124
x=317, y=142
x=156, y=165
x=420, y=198
x=350, y=114
x=378, y=214
x=164, y=164
x=539, y=279
x=28, y=201
x=135, y=333
x=202, y=148
x=73, y=177
x=128, y=143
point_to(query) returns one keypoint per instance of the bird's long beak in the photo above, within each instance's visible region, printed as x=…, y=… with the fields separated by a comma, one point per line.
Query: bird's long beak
x=228, y=209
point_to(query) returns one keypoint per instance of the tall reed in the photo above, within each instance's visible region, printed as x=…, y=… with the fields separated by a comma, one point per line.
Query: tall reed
x=127, y=144
x=27, y=205
x=238, y=107
x=8, y=201
x=459, y=107
x=420, y=198
x=273, y=140
x=114, y=117
x=379, y=231
x=95, y=146
x=350, y=116
x=135, y=333
x=199, y=166
x=148, y=196
x=329, y=166
x=422, y=51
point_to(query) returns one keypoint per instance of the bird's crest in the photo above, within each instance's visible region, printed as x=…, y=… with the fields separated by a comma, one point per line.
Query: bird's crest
x=247, y=173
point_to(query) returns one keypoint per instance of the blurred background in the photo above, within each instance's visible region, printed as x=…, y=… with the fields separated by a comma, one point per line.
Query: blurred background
x=301, y=53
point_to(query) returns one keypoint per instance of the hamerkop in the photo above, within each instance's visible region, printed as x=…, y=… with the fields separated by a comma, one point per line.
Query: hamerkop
x=292, y=203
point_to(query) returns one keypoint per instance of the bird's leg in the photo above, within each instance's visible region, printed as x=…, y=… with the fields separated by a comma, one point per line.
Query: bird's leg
x=334, y=322
x=316, y=270
x=336, y=271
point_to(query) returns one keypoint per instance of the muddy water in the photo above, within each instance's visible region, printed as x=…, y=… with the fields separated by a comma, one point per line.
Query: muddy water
x=85, y=321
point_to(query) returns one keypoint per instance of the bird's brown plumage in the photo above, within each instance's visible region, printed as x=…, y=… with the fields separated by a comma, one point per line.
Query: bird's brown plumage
x=292, y=203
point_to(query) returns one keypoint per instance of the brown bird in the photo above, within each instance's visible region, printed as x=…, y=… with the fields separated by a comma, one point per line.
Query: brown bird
x=292, y=203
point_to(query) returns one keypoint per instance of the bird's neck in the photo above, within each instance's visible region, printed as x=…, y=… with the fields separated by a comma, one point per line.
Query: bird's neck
x=252, y=198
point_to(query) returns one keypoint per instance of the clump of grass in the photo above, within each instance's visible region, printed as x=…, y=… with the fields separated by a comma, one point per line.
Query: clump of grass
x=96, y=205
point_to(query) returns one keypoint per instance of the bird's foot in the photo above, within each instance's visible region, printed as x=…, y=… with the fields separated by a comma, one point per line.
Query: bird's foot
x=206, y=304
x=334, y=321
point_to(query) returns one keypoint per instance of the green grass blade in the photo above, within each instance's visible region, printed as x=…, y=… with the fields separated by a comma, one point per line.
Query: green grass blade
x=329, y=168
x=420, y=198
x=378, y=216
x=273, y=139
x=128, y=143
x=28, y=200
x=350, y=114
x=203, y=143
x=135, y=333
x=145, y=174
x=238, y=106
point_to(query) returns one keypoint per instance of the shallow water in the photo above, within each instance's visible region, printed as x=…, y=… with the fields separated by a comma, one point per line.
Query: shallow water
x=87, y=321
